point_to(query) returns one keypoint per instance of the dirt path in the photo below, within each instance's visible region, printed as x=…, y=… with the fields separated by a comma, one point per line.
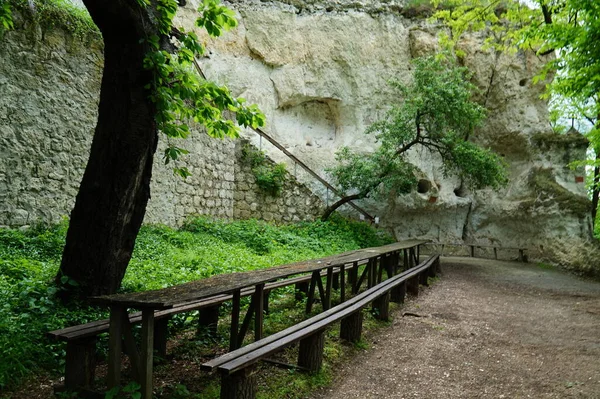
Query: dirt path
x=488, y=329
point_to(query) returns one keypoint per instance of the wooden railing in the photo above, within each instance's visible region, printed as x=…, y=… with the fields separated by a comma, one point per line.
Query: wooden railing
x=472, y=250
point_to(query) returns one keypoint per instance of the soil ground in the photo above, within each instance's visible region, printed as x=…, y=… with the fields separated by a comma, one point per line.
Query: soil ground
x=487, y=329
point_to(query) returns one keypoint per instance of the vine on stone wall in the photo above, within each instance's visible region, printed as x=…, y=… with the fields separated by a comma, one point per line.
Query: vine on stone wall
x=270, y=176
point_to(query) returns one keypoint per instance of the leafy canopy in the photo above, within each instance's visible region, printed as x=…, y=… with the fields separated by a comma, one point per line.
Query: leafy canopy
x=434, y=111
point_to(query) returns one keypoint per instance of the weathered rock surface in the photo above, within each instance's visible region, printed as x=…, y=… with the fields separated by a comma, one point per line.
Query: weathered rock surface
x=318, y=69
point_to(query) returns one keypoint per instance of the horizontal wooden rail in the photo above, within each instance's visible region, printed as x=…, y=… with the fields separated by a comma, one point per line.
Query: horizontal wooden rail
x=522, y=257
x=237, y=367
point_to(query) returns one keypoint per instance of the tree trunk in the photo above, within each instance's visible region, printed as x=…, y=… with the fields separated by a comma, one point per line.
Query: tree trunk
x=115, y=188
x=339, y=203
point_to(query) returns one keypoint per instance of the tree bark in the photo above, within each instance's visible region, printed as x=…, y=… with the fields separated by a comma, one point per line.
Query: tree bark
x=115, y=188
x=330, y=209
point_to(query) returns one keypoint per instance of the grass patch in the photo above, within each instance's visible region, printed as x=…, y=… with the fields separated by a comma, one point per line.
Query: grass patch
x=162, y=257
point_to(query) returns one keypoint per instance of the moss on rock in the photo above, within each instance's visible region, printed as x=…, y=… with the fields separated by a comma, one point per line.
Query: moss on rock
x=58, y=14
x=544, y=184
x=570, y=139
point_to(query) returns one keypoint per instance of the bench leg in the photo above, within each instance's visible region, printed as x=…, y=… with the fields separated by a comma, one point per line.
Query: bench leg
x=398, y=293
x=239, y=385
x=424, y=278
x=161, y=333
x=310, y=355
x=336, y=281
x=80, y=364
x=412, y=286
x=438, y=266
x=381, y=306
x=301, y=290
x=208, y=320
x=353, y=277
x=266, y=296
x=351, y=327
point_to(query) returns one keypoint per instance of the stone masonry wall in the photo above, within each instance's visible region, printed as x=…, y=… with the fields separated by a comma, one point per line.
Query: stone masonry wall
x=49, y=90
x=295, y=203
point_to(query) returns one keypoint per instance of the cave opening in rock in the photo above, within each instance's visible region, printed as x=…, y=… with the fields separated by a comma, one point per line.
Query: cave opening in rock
x=423, y=186
x=461, y=191
x=522, y=82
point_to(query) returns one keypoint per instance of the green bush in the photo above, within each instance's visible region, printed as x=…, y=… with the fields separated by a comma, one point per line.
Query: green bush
x=270, y=176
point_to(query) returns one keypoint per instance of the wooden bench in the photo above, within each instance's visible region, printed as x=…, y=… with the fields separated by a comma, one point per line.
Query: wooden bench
x=206, y=295
x=81, y=339
x=237, y=367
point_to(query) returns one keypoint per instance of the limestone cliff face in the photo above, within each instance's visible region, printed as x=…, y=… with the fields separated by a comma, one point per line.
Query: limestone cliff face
x=319, y=71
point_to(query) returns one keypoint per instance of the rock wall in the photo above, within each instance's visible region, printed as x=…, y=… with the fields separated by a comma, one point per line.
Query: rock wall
x=295, y=203
x=318, y=69
x=49, y=88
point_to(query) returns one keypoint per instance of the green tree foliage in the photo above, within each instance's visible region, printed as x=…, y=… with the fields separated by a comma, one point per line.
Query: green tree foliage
x=6, y=22
x=434, y=111
x=570, y=29
x=179, y=93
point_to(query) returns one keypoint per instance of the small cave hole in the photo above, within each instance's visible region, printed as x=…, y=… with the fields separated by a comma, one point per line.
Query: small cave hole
x=423, y=186
x=522, y=82
x=461, y=191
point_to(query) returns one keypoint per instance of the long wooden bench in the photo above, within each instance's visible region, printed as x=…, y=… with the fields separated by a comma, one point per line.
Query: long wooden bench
x=82, y=339
x=237, y=367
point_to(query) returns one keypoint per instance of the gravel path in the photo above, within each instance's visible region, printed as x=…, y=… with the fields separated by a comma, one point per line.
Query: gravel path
x=488, y=329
